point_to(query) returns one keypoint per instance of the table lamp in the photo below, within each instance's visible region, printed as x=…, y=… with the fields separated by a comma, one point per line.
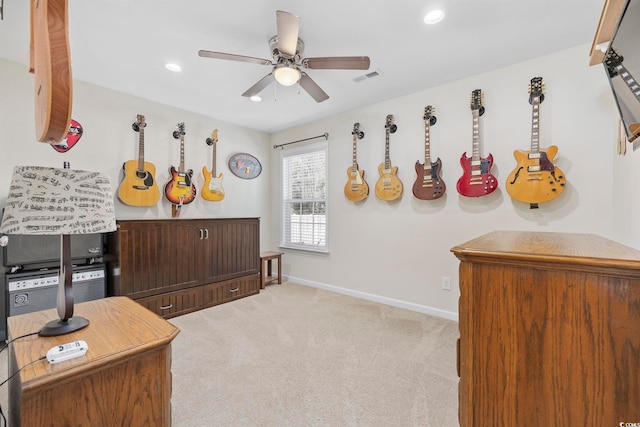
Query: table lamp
x=51, y=201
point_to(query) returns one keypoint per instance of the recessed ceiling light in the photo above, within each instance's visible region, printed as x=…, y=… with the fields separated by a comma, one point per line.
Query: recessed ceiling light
x=256, y=98
x=434, y=16
x=173, y=67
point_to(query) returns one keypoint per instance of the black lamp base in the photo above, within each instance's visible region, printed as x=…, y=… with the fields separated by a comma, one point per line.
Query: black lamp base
x=61, y=327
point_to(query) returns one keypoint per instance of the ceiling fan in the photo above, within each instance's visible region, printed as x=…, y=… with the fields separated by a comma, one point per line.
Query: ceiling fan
x=287, y=49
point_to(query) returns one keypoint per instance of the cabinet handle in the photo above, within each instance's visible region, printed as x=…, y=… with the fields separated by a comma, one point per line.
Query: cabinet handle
x=233, y=290
x=206, y=234
x=166, y=307
x=201, y=234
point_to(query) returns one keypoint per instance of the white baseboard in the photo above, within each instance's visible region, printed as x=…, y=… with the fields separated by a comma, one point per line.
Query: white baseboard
x=377, y=298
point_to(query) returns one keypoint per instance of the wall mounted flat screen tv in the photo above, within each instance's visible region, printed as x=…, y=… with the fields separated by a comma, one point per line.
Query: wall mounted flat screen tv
x=622, y=63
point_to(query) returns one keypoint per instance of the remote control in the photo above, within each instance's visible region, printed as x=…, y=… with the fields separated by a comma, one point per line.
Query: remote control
x=67, y=351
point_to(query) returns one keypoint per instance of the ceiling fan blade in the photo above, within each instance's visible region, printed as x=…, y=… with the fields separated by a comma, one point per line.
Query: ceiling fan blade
x=258, y=87
x=232, y=57
x=337, y=63
x=288, y=28
x=312, y=88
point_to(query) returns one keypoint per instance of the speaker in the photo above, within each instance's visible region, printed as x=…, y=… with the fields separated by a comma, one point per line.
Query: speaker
x=28, y=249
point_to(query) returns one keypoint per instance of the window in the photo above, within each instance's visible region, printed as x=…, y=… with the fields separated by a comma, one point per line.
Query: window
x=304, y=198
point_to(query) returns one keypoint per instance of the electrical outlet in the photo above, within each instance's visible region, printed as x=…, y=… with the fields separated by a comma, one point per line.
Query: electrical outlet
x=446, y=283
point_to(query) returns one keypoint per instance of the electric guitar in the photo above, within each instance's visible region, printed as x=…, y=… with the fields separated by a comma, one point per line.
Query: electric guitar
x=429, y=184
x=212, y=189
x=388, y=186
x=138, y=186
x=613, y=61
x=476, y=179
x=180, y=190
x=535, y=179
x=356, y=189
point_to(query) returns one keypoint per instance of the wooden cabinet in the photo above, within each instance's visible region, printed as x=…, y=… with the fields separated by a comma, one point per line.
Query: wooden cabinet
x=124, y=379
x=549, y=331
x=169, y=265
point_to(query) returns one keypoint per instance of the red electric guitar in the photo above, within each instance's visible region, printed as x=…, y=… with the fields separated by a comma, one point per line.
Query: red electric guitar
x=180, y=190
x=476, y=179
x=429, y=184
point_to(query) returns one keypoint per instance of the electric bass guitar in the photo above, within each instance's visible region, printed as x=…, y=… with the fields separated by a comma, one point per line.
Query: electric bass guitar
x=429, y=184
x=212, y=189
x=356, y=189
x=388, y=187
x=180, y=190
x=138, y=186
x=535, y=179
x=476, y=179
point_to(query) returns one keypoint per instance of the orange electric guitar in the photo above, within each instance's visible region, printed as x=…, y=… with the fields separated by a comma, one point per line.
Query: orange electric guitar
x=180, y=190
x=535, y=179
x=356, y=189
x=429, y=184
x=138, y=186
x=212, y=189
x=388, y=186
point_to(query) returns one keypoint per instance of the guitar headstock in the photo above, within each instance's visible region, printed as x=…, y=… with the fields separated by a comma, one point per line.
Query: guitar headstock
x=612, y=60
x=356, y=131
x=428, y=115
x=180, y=132
x=213, y=138
x=536, y=87
x=139, y=123
x=389, y=125
x=477, y=99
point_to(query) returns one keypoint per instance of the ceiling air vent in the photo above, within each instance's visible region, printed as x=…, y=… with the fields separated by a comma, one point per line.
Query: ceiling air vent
x=367, y=76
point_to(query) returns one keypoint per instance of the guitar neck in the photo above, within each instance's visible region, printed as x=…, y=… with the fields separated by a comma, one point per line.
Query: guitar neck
x=476, y=136
x=535, y=125
x=213, y=161
x=181, y=169
x=387, y=161
x=427, y=142
x=355, y=152
x=631, y=83
x=141, y=149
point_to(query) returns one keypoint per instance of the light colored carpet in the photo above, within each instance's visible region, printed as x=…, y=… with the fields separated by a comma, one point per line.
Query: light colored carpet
x=299, y=356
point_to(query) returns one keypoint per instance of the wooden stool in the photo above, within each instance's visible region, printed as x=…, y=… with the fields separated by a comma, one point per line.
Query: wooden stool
x=266, y=258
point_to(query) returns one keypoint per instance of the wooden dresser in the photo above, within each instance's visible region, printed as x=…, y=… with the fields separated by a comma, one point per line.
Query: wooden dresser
x=177, y=266
x=124, y=379
x=549, y=331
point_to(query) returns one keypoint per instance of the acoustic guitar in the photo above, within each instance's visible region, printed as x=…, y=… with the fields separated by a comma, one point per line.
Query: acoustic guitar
x=180, y=190
x=50, y=61
x=212, y=189
x=356, y=189
x=476, y=179
x=535, y=179
x=138, y=186
x=429, y=184
x=388, y=187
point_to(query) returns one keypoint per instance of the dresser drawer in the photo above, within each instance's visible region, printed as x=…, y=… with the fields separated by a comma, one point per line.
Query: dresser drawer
x=228, y=290
x=174, y=304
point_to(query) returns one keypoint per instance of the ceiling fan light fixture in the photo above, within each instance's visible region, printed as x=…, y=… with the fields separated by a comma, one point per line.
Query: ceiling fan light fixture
x=285, y=75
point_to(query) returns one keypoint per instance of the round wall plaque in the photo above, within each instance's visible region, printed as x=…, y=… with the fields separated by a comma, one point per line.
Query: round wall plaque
x=244, y=165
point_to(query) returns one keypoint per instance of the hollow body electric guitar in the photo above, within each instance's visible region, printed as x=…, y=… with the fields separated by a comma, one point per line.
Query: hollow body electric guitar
x=212, y=189
x=356, y=189
x=476, y=179
x=429, y=184
x=180, y=190
x=138, y=186
x=388, y=187
x=535, y=179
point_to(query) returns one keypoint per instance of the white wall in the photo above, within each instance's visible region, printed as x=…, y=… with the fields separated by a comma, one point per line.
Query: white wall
x=399, y=251
x=108, y=141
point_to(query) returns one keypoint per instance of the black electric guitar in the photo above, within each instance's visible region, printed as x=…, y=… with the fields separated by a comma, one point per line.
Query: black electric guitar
x=429, y=184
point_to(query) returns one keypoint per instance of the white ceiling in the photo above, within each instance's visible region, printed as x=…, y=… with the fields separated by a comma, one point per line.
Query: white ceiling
x=123, y=45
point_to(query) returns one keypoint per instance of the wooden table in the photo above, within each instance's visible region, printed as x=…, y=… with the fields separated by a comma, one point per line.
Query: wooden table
x=549, y=330
x=265, y=273
x=123, y=380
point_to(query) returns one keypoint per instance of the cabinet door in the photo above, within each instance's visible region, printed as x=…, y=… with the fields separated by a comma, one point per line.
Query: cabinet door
x=156, y=257
x=230, y=249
